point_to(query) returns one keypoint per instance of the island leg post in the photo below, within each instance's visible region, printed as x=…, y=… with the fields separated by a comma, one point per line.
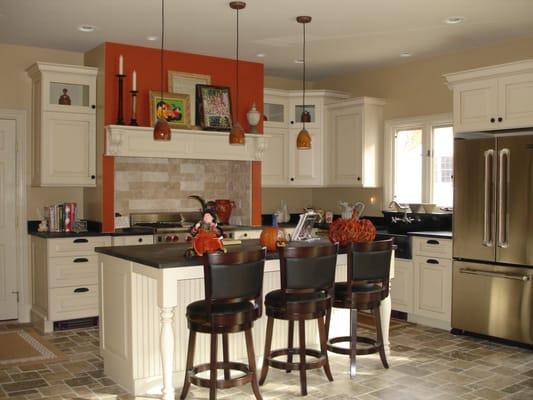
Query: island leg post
x=167, y=350
x=385, y=315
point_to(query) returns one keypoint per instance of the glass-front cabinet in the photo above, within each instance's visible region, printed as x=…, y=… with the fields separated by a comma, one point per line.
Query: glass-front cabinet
x=276, y=106
x=313, y=105
x=64, y=124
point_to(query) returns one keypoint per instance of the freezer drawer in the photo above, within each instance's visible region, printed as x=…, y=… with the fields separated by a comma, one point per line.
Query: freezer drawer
x=493, y=300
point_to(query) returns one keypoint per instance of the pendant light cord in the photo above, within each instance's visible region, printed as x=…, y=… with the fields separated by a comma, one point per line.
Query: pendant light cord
x=237, y=71
x=303, y=82
x=162, y=45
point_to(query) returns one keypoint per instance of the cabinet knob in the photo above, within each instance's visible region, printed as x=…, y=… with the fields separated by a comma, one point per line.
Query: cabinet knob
x=93, y=176
x=93, y=106
x=500, y=119
x=358, y=178
x=292, y=179
x=292, y=122
x=140, y=240
x=493, y=120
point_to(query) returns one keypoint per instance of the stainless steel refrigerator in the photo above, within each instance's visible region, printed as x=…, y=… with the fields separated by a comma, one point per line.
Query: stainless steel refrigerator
x=493, y=237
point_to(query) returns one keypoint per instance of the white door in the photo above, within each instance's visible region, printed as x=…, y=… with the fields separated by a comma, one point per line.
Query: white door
x=8, y=258
x=275, y=166
x=515, y=95
x=305, y=166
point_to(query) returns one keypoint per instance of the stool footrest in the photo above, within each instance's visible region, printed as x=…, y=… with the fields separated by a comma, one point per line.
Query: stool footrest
x=221, y=383
x=373, y=348
x=289, y=366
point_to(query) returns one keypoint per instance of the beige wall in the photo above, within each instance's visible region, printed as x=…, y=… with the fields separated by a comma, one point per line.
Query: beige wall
x=416, y=87
x=15, y=93
x=274, y=82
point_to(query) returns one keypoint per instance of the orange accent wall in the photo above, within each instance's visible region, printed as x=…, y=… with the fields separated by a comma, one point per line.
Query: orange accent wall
x=146, y=62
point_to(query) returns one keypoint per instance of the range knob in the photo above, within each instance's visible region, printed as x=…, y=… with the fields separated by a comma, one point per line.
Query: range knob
x=175, y=238
x=168, y=238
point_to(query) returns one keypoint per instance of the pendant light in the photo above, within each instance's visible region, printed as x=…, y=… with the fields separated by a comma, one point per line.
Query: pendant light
x=236, y=135
x=303, y=140
x=161, y=128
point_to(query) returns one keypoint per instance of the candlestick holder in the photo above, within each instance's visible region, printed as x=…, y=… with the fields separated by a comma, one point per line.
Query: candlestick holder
x=120, y=109
x=133, y=120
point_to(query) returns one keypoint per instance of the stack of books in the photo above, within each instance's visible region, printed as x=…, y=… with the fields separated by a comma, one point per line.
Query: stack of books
x=61, y=217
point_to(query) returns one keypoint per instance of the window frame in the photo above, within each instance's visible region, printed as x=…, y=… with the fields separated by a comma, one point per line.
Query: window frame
x=426, y=123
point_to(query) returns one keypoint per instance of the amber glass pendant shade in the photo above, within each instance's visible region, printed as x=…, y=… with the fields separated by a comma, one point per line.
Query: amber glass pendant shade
x=236, y=135
x=162, y=130
x=303, y=140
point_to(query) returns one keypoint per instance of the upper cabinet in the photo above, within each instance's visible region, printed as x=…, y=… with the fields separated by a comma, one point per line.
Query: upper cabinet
x=64, y=125
x=354, y=142
x=283, y=165
x=493, y=98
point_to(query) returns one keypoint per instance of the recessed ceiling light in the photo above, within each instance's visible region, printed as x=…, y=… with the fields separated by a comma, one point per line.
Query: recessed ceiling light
x=405, y=54
x=260, y=55
x=454, y=20
x=152, y=38
x=86, y=28
x=299, y=61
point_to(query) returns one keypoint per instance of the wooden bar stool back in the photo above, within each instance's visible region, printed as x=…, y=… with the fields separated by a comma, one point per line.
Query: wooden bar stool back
x=367, y=284
x=307, y=276
x=233, y=301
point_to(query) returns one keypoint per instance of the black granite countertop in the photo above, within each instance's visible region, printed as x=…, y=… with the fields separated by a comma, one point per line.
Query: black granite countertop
x=173, y=255
x=433, y=234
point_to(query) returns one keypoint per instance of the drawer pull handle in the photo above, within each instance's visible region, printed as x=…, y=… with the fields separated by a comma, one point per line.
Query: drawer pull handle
x=81, y=290
x=432, y=261
x=432, y=241
x=83, y=240
x=81, y=260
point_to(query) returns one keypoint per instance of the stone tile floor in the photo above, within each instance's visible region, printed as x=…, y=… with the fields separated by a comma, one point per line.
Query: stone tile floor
x=425, y=364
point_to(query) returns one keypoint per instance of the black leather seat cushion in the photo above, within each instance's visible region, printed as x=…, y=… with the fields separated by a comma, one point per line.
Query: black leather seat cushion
x=342, y=288
x=198, y=309
x=277, y=299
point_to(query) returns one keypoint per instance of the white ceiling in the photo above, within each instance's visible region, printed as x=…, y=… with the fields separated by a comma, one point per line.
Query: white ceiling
x=345, y=35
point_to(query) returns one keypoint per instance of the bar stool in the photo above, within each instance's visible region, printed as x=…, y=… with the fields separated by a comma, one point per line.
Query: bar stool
x=307, y=277
x=233, y=301
x=367, y=284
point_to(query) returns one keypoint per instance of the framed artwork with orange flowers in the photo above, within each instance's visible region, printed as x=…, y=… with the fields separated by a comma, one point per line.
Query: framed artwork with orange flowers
x=174, y=107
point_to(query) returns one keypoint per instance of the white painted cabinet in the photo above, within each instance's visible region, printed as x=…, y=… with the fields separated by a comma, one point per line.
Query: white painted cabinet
x=64, y=125
x=401, y=292
x=432, y=282
x=283, y=165
x=132, y=240
x=64, y=279
x=354, y=142
x=492, y=98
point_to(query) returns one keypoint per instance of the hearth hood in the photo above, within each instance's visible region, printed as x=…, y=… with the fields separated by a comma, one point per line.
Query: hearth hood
x=137, y=141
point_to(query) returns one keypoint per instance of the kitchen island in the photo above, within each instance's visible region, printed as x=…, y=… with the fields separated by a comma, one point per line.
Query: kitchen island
x=144, y=292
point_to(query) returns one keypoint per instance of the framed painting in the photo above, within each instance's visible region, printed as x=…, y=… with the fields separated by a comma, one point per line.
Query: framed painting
x=174, y=107
x=185, y=83
x=214, y=107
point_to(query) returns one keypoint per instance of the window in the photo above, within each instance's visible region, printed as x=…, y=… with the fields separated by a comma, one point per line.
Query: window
x=419, y=164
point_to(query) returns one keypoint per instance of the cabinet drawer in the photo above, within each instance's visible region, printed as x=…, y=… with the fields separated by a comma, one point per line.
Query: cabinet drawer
x=240, y=235
x=73, y=302
x=80, y=246
x=70, y=271
x=132, y=240
x=432, y=247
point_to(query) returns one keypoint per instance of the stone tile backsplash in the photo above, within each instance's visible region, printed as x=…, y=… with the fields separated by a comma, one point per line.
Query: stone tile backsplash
x=163, y=184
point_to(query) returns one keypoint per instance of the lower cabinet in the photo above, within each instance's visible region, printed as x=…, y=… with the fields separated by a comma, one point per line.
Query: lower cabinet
x=132, y=240
x=64, y=279
x=402, y=286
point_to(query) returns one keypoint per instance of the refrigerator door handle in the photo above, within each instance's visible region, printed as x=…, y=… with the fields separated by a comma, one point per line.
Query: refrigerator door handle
x=503, y=198
x=518, y=277
x=487, y=200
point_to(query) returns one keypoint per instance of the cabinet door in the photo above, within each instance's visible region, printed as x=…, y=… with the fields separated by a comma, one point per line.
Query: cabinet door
x=276, y=111
x=515, y=97
x=402, y=286
x=305, y=168
x=312, y=104
x=275, y=165
x=475, y=106
x=433, y=282
x=132, y=240
x=68, y=149
x=69, y=92
x=345, y=130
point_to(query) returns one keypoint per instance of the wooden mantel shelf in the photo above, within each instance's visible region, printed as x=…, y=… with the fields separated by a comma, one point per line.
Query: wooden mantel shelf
x=137, y=141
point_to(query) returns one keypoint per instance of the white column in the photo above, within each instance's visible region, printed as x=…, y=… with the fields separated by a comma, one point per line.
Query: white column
x=167, y=350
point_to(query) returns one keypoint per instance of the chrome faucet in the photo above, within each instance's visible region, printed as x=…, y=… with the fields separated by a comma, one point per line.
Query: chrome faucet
x=403, y=208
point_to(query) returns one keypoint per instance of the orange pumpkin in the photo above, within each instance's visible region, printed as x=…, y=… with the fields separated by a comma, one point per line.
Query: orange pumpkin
x=271, y=237
x=206, y=241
